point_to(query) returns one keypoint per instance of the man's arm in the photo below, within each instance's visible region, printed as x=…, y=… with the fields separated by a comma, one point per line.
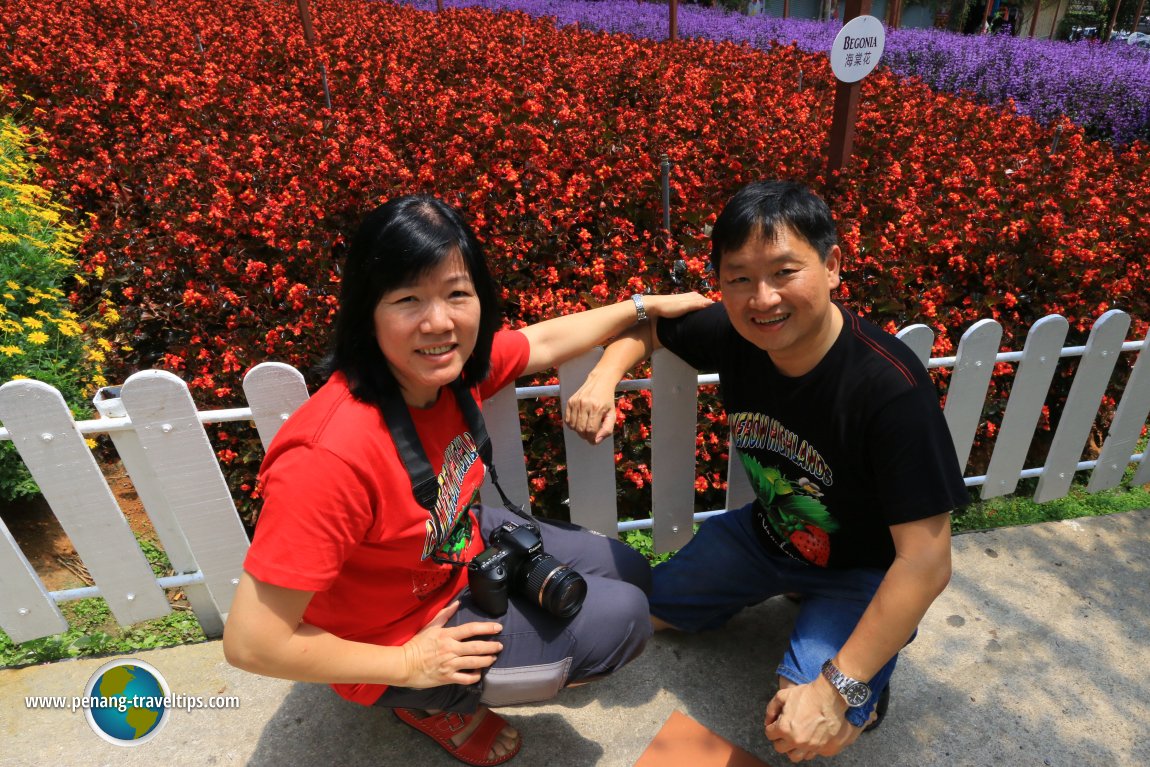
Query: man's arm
x=809, y=719
x=591, y=409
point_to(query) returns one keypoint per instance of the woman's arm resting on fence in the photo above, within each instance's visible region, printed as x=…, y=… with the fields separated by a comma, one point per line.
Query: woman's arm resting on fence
x=265, y=634
x=557, y=340
x=920, y=572
x=590, y=411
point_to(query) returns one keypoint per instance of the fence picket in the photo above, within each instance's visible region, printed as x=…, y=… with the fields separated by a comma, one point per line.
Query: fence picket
x=147, y=487
x=973, y=366
x=274, y=391
x=501, y=416
x=920, y=339
x=60, y=461
x=165, y=418
x=674, y=414
x=26, y=611
x=590, y=468
x=1035, y=371
x=1090, y=380
x=739, y=490
x=1126, y=428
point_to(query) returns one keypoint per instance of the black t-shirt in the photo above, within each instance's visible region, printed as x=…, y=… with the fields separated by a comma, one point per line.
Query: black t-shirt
x=839, y=454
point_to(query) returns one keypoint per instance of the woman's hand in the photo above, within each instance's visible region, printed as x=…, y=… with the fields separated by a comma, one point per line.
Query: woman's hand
x=440, y=655
x=675, y=304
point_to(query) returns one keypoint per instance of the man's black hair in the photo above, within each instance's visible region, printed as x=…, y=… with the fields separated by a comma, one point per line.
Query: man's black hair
x=762, y=209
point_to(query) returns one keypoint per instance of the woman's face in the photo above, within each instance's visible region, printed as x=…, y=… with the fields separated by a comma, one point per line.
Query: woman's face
x=428, y=330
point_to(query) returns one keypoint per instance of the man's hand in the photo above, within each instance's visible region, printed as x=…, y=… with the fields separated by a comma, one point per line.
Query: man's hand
x=808, y=720
x=590, y=410
x=440, y=655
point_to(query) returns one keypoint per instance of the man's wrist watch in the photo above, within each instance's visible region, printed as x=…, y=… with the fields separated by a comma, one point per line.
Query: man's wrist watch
x=640, y=310
x=854, y=692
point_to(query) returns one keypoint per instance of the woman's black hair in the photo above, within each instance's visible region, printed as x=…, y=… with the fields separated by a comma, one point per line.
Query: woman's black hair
x=395, y=245
x=760, y=209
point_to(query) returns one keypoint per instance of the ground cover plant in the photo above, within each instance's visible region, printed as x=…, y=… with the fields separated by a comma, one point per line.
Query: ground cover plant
x=219, y=183
x=1103, y=88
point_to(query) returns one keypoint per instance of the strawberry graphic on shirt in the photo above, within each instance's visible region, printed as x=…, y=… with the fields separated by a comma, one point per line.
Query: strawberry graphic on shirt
x=813, y=543
x=800, y=522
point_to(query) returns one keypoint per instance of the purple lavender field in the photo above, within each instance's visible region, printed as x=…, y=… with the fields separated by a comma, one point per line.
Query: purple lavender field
x=1104, y=88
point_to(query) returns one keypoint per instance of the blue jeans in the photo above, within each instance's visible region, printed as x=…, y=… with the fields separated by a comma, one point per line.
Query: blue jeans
x=724, y=568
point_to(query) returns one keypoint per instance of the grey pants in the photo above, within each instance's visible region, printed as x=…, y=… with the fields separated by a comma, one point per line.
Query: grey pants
x=541, y=653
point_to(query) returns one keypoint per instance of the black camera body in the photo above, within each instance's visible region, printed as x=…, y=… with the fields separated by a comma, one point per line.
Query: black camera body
x=515, y=560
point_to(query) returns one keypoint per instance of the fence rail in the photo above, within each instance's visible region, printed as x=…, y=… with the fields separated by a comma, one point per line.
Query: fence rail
x=159, y=435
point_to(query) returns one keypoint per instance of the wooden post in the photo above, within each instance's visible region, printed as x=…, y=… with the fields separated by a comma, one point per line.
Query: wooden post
x=309, y=36
x=673, y=33
x=985, y=16
x=786, y=9
x=846, y=104
x=1106, y=33
x=1034, y=21
x=305, y=18
x=1054, y=21
x=1138, y=14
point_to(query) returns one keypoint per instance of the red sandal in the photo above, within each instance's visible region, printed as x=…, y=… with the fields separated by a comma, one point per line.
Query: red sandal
x=440, y=727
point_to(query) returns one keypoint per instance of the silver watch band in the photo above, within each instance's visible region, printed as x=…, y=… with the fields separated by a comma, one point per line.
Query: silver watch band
x=640, y=310
x=854, y=692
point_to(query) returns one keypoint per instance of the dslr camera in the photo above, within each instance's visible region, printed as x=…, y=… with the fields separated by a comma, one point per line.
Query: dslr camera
x=515, y=560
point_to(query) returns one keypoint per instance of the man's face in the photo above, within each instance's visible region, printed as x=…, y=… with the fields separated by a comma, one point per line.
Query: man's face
x=777, y=294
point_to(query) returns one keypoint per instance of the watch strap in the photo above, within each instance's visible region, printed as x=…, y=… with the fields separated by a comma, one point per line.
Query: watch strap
x=856, y=693
x=640, y=310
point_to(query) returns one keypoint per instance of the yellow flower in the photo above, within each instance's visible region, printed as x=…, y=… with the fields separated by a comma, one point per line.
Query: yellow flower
x=10, y=351
x=68, y=328
x=38, y=337
x=96, y=355
x=12, y=285
x=104, y=344
x=32, y=322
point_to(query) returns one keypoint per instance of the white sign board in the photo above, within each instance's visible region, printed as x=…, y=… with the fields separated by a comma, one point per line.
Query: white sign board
x=857, y=48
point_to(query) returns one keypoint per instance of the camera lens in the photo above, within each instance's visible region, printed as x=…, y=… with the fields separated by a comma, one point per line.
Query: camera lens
x=555, y=587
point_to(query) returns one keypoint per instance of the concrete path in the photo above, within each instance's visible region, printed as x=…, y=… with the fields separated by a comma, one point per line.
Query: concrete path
x=1037, y=654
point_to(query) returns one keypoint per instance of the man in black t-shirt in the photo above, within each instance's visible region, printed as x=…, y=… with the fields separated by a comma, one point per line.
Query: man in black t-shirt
x=839, y=429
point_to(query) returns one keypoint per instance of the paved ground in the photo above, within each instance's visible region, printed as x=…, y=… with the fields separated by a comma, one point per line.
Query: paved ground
x=1037, y=654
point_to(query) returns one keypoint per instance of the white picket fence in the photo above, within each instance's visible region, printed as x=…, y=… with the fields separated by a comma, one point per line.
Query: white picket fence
x=160, y=437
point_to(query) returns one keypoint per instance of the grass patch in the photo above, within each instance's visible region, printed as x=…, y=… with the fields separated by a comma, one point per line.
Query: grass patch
x=93, y=629
x=1014, y=510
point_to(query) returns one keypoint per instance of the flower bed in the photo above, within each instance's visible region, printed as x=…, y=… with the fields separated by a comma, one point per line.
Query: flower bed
x=219, y=185
x=1103, y=88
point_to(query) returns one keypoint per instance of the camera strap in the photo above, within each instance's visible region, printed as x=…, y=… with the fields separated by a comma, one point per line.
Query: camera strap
x=424, y=483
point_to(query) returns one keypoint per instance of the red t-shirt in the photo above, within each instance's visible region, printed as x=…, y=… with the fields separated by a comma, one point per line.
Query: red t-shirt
x=339, y=518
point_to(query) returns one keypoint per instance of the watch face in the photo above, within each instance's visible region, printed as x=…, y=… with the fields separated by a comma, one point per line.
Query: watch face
x=856, y=694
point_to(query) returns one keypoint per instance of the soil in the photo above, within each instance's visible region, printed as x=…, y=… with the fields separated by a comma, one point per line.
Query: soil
x=47, y=546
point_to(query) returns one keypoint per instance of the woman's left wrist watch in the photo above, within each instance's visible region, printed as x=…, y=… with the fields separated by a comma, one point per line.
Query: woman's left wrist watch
x=640, y=310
